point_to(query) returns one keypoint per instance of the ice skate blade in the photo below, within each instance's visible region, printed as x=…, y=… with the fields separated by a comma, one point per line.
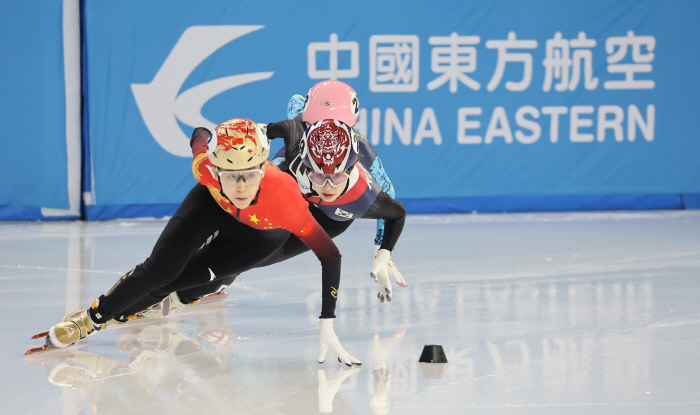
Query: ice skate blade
x=215, y=296
x=46, y=347
x=40, y=349
x=201, y=307
x=44, y=354
x=45, y=351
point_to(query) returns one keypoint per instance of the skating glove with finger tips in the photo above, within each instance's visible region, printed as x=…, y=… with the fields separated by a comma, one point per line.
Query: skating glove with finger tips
x=329, y=341
x=383, y=268
x=393, y=271
x=396, y=275
x=380, y=273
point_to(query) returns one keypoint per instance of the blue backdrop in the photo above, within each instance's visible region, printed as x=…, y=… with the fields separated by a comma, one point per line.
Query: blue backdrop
x=34, y=159
x=493, y=106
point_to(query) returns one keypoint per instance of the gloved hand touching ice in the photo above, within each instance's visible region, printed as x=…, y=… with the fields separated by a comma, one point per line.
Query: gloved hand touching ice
x=329, y=341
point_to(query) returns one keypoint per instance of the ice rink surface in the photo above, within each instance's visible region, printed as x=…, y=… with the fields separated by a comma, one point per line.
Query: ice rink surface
x=547, y=313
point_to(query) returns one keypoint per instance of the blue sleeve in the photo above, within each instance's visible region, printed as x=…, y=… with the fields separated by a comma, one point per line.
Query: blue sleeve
x=295, y=107
x=378, y=172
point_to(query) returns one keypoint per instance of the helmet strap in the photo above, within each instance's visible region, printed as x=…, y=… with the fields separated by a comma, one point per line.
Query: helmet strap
x=347, y=186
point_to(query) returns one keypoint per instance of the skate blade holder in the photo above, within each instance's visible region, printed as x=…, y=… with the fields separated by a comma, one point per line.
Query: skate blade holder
x=46, y=347
x=433, y=361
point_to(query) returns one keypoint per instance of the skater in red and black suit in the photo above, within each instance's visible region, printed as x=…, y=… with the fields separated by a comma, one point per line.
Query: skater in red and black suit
x=242, y=212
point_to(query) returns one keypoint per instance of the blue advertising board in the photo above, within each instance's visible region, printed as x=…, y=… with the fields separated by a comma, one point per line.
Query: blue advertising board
x=40, y=76
x=495, y=104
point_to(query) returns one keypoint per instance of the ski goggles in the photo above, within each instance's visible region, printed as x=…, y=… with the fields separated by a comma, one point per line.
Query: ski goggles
x=232, y=177
x=336, y=179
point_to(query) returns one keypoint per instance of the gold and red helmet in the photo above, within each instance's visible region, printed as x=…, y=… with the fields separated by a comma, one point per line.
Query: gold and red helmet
x=238, y=144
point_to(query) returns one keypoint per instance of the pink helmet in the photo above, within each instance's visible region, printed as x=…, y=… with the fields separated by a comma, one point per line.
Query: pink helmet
x=331, y=100
x=329, y=146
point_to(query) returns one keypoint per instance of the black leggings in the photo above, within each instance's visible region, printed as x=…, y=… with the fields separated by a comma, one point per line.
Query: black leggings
x=290, y=249
x=202, y=248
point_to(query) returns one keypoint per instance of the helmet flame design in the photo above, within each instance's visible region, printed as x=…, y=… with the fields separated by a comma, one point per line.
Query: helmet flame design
x=329, y=146
x=239, y=144
x=331, y=100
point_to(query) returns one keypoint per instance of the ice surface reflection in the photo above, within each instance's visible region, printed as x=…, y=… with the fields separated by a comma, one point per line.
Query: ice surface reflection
x=576, y=313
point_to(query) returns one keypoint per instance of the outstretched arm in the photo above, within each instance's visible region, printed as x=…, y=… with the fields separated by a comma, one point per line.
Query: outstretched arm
x=392, y=212
x=326, y=251
x=376, y=168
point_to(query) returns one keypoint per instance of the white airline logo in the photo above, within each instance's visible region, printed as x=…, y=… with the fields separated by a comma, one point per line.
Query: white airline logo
x=159, y=102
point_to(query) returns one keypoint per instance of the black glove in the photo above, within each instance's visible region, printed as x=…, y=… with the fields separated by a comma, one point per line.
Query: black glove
x=277, y=129
x=198, y=132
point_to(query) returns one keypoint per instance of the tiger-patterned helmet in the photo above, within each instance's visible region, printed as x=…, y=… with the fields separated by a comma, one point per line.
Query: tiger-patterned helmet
x=329, y=146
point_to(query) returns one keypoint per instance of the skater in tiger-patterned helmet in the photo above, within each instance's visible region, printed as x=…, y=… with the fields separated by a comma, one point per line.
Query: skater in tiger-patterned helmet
x=333, y=176
x=337, y=100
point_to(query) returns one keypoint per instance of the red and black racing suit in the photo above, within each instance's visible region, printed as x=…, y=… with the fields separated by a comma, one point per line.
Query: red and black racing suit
x=209, y=238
